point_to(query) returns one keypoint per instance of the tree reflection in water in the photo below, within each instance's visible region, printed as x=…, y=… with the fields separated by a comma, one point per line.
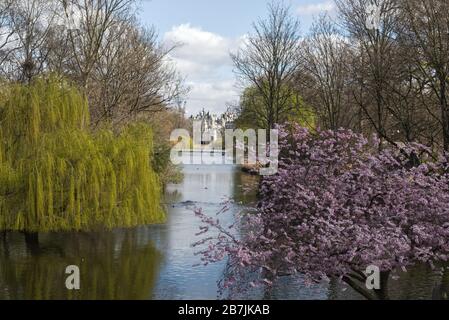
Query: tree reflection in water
x=121, y=264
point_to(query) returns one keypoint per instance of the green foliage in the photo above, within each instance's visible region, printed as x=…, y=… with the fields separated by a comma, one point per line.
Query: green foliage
x=303, y=115
x=253, y=111
x=163, y=124
x=167, y=171
x=55, y=174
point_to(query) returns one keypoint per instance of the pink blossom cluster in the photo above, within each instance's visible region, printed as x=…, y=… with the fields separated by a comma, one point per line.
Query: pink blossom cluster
x=337, y=205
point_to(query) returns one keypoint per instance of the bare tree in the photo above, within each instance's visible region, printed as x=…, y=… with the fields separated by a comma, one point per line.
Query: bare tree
x=373, y=63
x=6, y=31
x=29, y=25
x=325, y=80
x=427, y=34
x=94, y=22
x=410, y=121
x=269, y=61
x=97, y=44
x=132, y=76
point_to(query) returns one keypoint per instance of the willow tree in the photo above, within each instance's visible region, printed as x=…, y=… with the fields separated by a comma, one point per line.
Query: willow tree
x=56, y=174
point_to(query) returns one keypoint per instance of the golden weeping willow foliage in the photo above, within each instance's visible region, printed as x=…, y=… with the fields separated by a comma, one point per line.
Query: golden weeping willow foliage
x=55, y=174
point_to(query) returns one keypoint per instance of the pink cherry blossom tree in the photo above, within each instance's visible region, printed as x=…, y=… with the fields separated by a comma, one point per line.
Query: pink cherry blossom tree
x=336, y=206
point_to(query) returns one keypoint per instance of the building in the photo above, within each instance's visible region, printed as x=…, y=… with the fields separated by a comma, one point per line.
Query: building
x=215, y=124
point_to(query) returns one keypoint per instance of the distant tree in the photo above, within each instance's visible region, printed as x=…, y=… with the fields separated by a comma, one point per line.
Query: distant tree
x=374, y=63
x=132, y=77
x=426, y=32
x=269, y=60
x=94, y=25
x=326, y=84
x=121, y=66
x=252, y=113
x=5, y=31
x=29, y=24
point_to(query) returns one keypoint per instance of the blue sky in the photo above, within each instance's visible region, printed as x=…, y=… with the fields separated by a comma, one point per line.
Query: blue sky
x=206, y=32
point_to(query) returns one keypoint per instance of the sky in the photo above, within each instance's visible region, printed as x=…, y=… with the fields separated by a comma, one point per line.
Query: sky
x=206, y=32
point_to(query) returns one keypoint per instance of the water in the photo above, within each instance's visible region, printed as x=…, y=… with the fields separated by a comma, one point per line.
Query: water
x=156, y=262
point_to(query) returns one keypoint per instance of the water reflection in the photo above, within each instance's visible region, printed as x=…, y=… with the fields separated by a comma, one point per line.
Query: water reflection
x=418, y=283
x=113, y=265
x=206, y=187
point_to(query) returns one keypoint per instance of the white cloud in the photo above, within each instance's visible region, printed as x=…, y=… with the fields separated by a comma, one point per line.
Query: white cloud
x=203, y=58
x=212, y=96
x=198, y=45
x=315, y=8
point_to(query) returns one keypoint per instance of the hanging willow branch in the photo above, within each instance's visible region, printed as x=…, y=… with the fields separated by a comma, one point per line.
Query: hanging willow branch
x=56, y=174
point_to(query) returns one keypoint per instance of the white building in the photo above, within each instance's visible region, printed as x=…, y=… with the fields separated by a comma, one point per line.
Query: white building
x=213, y=123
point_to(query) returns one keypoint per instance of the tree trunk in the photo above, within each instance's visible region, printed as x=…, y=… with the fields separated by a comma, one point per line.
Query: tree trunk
x=32, y=242
x=360, y=288
x=375, y=294
x=5, y=242
x=441, y=290
x=445, y=118
x=382, y=293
